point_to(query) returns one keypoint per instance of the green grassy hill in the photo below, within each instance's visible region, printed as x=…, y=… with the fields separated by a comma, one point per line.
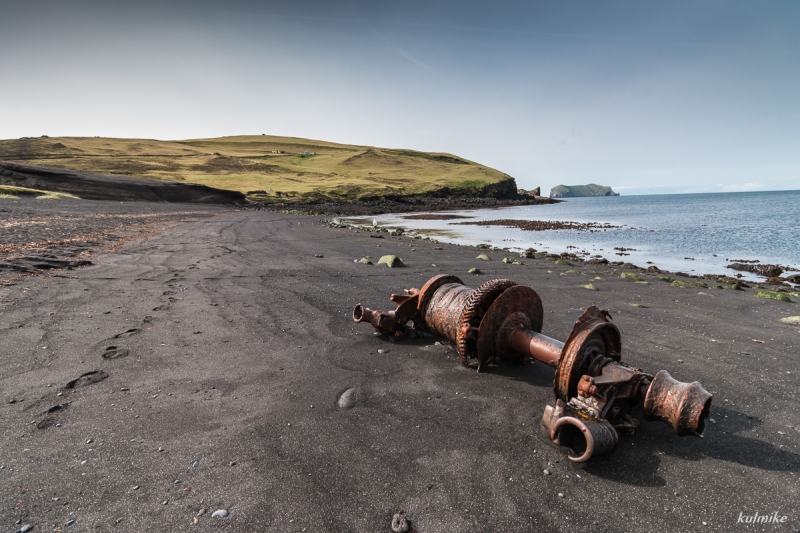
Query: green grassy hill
x=270, y=168
x=578, y=191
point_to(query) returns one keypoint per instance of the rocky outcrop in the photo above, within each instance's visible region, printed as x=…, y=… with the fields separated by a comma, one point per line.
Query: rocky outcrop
x=768, y=271
x=501, y=190
x=580, y=191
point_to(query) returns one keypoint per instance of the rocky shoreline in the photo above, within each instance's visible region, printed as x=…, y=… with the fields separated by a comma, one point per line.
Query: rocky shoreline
x=789, y=285
x=410, y=204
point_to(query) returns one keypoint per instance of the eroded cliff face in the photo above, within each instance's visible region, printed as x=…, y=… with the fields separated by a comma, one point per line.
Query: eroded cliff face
x=501, y=190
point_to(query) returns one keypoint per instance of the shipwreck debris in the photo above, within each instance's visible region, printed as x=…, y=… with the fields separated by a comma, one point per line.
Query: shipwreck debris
x=594, y=391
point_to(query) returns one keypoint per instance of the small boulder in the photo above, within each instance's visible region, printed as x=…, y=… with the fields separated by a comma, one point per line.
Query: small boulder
x=348, y=399
x=392, y=261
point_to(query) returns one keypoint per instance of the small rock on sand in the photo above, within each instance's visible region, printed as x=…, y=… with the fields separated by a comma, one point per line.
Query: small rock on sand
x=400, y=524
x=348, y=399
x=220, y=513
x=392, y=261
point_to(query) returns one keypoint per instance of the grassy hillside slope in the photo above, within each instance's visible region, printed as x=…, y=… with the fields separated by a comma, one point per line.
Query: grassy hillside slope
x=270, y=168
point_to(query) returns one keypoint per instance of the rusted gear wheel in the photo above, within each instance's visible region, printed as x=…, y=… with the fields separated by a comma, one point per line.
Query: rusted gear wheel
x=593, y=342
x=477, y=305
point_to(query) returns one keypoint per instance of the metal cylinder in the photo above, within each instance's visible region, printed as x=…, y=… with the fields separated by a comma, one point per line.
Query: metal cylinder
x=585, y=438
x=385, y=323
x=540, y=347
x=444, y=310
x=358, y=313
x=684, y=406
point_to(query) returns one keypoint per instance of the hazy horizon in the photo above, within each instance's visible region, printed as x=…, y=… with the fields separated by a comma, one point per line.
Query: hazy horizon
x=644, y=97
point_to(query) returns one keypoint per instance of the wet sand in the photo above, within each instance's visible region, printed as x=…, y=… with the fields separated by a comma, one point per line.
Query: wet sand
x=223, y=340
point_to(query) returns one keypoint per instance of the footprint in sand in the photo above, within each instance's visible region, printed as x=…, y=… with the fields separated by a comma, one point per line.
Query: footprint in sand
x=87, y=378
x=49, y=416
x=115, y=352
x=128, y=333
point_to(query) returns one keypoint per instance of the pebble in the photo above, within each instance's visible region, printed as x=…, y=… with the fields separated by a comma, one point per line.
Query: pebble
x=546, y=472
x=201, y=512
x=84, y=461
x=220, y=513
x=69, y=523
x=560, y=494
x=136, y=487
x=177, y=481
x=400, y=524
x=58, y=425
x=165, y=502
x=25, y=528
x=89, y=441
x=348, y=399
x=382, y=351
x=195, y=464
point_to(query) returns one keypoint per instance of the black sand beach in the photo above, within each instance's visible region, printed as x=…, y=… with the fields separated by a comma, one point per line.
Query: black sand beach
x=224, y=342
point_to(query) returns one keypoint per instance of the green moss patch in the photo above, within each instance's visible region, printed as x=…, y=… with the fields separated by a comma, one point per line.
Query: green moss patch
x=774, y=295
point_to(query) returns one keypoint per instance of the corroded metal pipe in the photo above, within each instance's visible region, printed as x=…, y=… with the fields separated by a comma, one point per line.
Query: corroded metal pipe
x=595, y=392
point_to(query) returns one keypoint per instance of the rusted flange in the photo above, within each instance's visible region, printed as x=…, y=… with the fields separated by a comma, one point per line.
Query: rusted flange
x=517, y=307
x=593, y=342
x=584, y=437
x=477, y=305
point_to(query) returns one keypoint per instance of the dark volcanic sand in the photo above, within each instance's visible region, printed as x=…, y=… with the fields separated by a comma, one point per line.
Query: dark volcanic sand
x=38, y=235
x=227, y=330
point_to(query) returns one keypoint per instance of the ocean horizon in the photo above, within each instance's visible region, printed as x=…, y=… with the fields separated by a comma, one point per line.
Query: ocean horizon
x=697, y=233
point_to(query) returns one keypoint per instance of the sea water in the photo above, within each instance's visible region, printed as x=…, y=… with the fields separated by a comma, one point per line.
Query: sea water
x=693, y=233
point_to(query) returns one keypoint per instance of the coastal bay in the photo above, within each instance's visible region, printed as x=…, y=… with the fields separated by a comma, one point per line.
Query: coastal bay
x=233, y=342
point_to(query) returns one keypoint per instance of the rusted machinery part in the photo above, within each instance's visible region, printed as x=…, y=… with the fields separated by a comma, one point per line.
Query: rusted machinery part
x=430, y=287
x=593, y=343
x=594, y=391
x=392, y=322
x=385, y=323
x=474, y=310
x=584, y=437
x=516, y=308
x=444, y=310
x=684, y=406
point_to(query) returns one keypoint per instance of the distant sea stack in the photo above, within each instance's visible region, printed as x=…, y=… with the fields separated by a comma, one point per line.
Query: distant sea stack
x=580, y=191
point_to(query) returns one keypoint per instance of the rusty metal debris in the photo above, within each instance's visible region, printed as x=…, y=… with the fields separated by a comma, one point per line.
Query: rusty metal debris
x=595, y=392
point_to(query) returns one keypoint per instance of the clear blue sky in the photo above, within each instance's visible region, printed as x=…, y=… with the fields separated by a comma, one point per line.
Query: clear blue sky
x=645, y=96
